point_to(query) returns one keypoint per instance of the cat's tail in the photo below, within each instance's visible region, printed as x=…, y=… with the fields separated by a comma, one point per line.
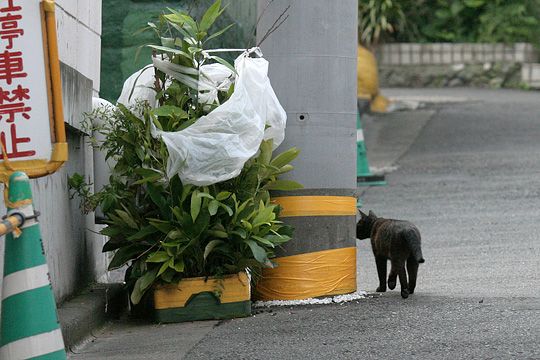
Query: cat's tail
x=412, y=237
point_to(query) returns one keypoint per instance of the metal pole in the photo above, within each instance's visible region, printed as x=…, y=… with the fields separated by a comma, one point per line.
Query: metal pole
x=29, y=327
x=313, y=64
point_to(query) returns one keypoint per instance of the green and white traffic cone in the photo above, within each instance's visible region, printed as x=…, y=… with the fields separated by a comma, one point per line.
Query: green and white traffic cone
x=364, y=177
x=30, y=327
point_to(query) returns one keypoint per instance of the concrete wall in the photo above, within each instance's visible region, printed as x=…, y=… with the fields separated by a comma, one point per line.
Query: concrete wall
x=445, y=64
x=440, y=54
x=73, y=250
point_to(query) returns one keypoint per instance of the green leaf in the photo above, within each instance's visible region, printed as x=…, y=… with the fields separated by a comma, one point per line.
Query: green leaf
x=263, y=241
x=146, y=172
x=148, y=179
x=178, y=265
x=142, y=284
x=176, y=234
x=224, y=63
x=227, y=209
x=223, y=195
x=128, y=220
x=213, y=207
x=186, y=191
x=277, y=239
x=283, y=185
x=266, y=152
x=123, y=255
x=156, y=194
x=158, y=256
x=163, y=226
x=265, y=214
x=205, y=195
x=246, y=224
x=170, y=110
x=169, y=50
x=210, y=16
x=144, y=232
x=285, y=157
x=240, y=232
x=195, y=205
x=114, y=243
x=111, y=231
x=284, y=169
x=210, y=246
x=258, y=252
x=163, y=267
x=218, y=233
x=220, y=32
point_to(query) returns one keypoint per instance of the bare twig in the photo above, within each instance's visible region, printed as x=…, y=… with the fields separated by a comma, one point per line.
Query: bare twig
x=279, y=21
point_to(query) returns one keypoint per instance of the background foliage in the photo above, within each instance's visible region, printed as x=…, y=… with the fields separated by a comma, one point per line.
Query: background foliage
x=506, y=21
x=120, y=37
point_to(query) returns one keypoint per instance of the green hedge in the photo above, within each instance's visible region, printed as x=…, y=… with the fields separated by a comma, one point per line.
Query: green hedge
x=506, y=21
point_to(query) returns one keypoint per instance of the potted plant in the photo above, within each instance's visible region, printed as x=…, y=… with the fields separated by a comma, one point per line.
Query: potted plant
x=197, y=248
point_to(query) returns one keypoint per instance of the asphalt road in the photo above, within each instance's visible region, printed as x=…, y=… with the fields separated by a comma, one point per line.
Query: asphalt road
x=471, y=183
x=468, y=175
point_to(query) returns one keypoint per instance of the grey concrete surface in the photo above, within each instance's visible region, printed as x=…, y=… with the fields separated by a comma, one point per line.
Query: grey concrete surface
x=90, y=310
x=470, y=181
x=141, y=340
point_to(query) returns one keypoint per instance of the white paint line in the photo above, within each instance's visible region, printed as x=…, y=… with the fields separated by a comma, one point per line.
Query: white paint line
x=359, y=135
x=33, y=346
x=24, y=280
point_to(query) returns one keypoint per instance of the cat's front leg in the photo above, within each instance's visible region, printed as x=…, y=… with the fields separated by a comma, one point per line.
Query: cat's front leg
x=381, y=262
x=392, y=278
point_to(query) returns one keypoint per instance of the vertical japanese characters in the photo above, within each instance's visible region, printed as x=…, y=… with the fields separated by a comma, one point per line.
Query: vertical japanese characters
x=14, y=92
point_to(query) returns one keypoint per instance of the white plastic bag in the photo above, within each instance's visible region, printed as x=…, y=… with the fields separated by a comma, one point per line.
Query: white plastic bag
x=139, y=86
x=216, y=147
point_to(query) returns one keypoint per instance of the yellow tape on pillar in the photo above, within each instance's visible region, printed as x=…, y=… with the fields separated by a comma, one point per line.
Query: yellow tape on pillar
x=316, y=205
x=321, y=273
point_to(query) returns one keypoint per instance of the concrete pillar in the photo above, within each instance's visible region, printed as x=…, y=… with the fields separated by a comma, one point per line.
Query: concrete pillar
x=313, y=72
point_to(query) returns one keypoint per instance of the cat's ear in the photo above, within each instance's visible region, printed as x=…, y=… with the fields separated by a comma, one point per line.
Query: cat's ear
x=362, y=214
x=372, y=214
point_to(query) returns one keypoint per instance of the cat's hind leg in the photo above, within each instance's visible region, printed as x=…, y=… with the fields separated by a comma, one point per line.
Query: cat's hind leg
x=412, y=270
x=381, y=262
x=400, y=267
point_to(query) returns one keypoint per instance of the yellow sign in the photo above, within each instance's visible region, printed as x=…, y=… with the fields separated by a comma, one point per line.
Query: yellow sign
x=32, y=132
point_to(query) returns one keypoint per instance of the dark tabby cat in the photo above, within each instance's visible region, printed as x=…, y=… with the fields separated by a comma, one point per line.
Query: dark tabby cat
x=397, y=241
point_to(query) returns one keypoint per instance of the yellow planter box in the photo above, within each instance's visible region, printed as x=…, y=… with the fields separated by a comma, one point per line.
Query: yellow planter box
x=203, y=299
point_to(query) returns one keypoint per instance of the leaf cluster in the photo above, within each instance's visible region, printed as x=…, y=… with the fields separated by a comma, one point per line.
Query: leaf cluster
x=506, y=21
x=162, y=229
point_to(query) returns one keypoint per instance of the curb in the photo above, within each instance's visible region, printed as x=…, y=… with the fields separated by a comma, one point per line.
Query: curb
x=90, y=310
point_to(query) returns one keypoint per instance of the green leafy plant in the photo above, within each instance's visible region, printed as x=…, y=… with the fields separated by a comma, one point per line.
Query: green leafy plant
x=162, y=229
x=379, y=18
x=505, y=21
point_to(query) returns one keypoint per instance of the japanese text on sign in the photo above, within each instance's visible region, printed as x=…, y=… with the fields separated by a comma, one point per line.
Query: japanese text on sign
x=24, y=112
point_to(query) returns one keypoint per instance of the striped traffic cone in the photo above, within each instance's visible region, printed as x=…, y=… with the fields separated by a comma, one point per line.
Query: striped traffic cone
x=364, y=176
x=29, y=327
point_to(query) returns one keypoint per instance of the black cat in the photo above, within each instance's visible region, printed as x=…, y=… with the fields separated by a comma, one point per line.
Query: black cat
x=397, y=241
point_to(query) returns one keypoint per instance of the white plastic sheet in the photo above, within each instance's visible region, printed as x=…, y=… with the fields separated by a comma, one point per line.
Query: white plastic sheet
x=216, y=147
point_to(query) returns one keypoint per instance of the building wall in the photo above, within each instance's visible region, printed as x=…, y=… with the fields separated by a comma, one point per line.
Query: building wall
x=73, y=251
